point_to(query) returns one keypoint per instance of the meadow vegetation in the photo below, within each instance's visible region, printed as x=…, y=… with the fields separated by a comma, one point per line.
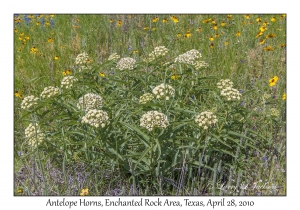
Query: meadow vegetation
x=150, y=104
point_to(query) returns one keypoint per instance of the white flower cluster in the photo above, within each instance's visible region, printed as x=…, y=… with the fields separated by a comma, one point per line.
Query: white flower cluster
x=96, y=118
x=146, y=98
x=231, y=94
x=154, y=119
x=163, y=91
x=32, y=133
x=89, y=101
x=49, y=92
x=29, y=101
x=126, y=63
x=266, y=96
x=68, y=81
x=190, y=57
x=82, y=59
x=224, y=83
x=274, y=112
x=158, y=52
x=113, y=57
x=200, y=64
x=206, y=119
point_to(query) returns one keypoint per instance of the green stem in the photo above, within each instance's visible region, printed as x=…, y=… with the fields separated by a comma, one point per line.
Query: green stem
x=151, y=152
x=201, y=157
x=39, y=161
x=224, y=121
x=65, y=152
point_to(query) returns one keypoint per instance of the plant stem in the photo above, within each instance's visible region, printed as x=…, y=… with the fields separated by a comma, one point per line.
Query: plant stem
x=201, y=157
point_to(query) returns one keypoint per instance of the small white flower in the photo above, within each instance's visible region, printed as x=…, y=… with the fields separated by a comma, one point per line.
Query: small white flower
x=206, y=119
x=146, y=98
x=163, y=90
x=274, y=112
x=154, y=119
x=34, y=135
x=82, y=59
x=192, y=58
x=90, y=101
x=224, y=84
x=29, y=101
x=92, y=118
x=231, y=94
x=126, y=63
x=158, y=52
x=68, y=81
x=49, y=92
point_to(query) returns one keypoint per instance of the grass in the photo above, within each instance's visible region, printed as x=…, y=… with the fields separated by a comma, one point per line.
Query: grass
x=246, y=147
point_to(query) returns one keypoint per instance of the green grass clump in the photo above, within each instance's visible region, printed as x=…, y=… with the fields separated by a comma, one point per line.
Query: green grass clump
x=154, y=119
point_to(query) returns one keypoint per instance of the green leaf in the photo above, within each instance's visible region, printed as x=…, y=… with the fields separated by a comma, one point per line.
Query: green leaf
x=142, y=156
x=235, y=141
x=219, y=140
x=196, y=163
x=243, y=136
x=159, y=148
x=116, y=153
x=144, y=136
x=229, y=153
x=255, y=133
x=239, y=135
x=249, y=145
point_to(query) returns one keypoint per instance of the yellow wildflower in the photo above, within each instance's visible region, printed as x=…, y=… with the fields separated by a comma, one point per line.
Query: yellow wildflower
x=273, y=19
x=268, y=48
x=154, y=20
x=84, y=192
x=175, y=76
x=273, y=81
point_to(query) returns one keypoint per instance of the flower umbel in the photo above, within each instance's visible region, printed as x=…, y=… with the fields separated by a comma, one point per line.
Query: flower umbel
x=49, y=92
x=224, y=83
x=126, y=63
x=146, y=98
x=96, y=118
x=274, y=112
x=82, y=59
x=206, y=119
x=163, y=91
x=200, y=64
x=154, y=119
x=68, y=81
x=192, y=58
x=90, y=101
x=34, y=135
x=189, y=57
x=231, y=94
x=158, y=52
x=29, y=101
